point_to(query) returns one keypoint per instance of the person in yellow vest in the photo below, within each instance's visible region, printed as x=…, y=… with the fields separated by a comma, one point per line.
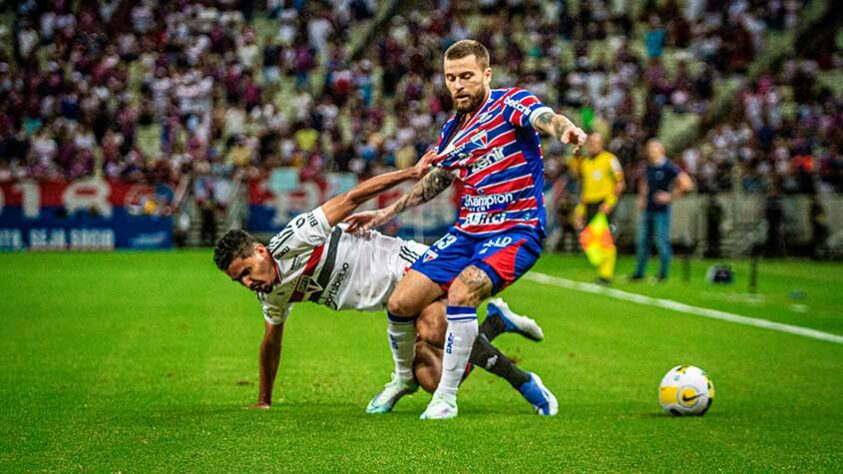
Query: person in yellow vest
x=602, y=183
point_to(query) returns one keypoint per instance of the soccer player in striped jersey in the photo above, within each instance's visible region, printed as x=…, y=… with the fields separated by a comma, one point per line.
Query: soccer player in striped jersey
x=491, y=145
x=314, y=259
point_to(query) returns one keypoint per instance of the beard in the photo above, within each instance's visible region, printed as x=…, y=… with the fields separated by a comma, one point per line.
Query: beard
x=474, y=101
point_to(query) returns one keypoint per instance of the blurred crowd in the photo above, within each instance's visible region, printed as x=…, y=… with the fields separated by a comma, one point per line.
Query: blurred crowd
x=785, y=137
x=154, y=91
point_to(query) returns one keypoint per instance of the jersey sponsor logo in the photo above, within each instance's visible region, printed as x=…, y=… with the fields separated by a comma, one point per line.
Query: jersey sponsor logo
x=485, y=117
x=284, y=251
x=311, y=219
x=499, y=242
x=517, y=105
x=331, y=300
x=297, y=262
x=484, y=218
x=487, y=160
x=486, y=201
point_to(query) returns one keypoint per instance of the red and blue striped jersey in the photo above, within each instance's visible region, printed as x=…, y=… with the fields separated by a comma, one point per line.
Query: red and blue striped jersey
x=497, y=156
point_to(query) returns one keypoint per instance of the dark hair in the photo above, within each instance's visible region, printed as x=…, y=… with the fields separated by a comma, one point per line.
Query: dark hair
x=464, y=48
x=234, y=244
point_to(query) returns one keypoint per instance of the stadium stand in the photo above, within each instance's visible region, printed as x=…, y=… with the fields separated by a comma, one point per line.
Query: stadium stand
x=206, y=96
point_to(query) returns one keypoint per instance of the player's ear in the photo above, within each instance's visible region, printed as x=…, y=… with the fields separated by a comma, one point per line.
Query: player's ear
x=487, y=75
x=260, y=249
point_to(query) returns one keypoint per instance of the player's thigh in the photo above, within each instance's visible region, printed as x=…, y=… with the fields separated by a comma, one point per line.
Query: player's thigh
x=412, y=294
x=471, y=287
x=432, y=325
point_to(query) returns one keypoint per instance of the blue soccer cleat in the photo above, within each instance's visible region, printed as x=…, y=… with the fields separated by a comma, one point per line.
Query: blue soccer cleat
x=539, y=396
x=391, y=393
x=513, y=322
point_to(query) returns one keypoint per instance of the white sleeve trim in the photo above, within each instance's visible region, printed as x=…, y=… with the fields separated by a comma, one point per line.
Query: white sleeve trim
x=537, y=113
x=320, y=216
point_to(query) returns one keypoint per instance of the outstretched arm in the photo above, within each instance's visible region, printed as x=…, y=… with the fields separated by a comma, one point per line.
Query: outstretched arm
x=341, y=206
x=559, y=127
x=270, y=356
x=428, y=188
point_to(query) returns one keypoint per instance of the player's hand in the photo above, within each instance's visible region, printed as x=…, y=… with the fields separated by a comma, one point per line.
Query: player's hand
x=579, y=223
x=605, y=209
x=662, y=197
x=574, y=136
x=259, y=406
x=423, y=165
x=367, y=220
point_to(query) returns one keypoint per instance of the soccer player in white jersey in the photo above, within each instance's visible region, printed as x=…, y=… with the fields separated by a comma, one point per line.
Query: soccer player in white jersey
x=491, y=145
x=313, y=259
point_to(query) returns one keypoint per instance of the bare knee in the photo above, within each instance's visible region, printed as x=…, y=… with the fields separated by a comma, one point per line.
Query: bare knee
x=402, y=304
x=412, y=294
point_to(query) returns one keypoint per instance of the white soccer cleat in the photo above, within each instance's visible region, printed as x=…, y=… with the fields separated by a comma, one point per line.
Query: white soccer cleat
x=391, y=393
x=514, y=322
x=441, y=407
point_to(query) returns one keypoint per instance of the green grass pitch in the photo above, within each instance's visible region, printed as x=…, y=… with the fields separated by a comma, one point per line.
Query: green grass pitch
x=142, y=362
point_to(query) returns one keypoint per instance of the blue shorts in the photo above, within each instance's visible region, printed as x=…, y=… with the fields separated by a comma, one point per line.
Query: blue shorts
x=504, y=257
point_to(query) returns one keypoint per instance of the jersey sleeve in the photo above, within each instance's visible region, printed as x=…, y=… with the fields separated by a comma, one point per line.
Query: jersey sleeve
x=615, y=166
x=674, y=169
x=305, y=232
x=275, y=315
x=521, y=108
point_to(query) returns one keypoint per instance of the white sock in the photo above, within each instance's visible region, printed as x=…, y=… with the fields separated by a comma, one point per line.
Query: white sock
x=459, y=339
x=402, y=341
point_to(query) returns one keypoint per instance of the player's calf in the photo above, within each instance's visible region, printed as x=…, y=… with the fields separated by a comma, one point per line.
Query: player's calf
x=431, y=324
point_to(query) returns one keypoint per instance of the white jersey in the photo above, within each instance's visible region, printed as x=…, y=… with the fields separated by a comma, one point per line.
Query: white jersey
x=334, y=268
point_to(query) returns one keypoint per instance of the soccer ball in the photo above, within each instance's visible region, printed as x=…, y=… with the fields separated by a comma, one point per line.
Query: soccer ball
x=686, y=390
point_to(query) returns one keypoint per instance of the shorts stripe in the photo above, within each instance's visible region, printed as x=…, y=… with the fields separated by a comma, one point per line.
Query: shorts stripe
x=408, y=255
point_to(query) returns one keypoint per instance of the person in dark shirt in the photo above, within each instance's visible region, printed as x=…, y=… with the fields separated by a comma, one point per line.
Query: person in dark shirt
x=664, y=181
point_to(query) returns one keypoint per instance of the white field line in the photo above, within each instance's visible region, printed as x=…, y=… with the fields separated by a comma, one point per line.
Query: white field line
x=681, y=307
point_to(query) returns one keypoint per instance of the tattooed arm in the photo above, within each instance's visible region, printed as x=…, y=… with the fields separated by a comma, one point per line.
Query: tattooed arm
x=558, y=126
x=428, y=188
